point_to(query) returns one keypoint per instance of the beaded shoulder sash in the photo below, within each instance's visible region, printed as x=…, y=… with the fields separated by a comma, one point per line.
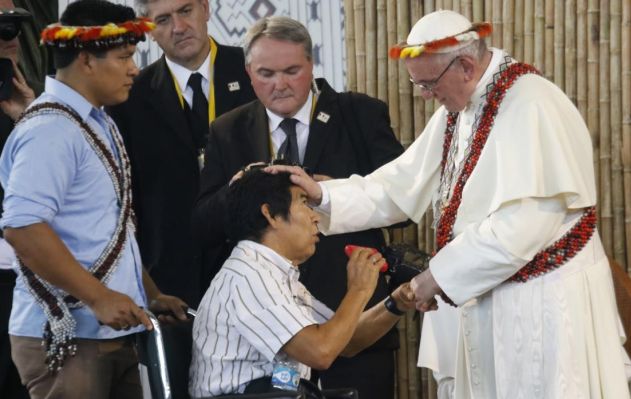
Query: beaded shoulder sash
x=505, y=80
x=549, y=258
x=59, y=331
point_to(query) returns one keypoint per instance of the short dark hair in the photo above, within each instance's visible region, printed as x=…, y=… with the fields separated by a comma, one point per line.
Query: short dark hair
x=247, y=195
x=89, y=13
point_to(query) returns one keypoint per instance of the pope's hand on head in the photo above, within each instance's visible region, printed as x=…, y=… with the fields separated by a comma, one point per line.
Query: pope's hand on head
x=300, y=178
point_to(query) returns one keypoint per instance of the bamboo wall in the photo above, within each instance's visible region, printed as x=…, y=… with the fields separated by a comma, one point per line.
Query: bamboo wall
x=583, y=46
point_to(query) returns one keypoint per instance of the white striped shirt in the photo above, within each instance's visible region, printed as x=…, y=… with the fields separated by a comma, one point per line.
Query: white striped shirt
x=254, y=306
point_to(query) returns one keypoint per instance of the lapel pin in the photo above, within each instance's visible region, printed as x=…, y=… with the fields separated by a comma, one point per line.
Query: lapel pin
x=234, y=86
x=323, y=117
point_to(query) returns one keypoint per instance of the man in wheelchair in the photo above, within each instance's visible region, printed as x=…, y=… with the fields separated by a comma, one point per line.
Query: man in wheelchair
x=258, y=328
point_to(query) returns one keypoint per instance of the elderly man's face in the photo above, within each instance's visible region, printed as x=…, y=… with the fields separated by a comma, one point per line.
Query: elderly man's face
x=443, y=76
x=9, y=48
x=297, y=236
x=281, y=75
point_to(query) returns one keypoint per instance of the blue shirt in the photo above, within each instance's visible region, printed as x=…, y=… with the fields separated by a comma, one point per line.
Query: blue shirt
x=51, y=174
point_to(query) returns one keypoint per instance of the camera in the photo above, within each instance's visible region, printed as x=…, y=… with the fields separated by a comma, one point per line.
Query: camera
x=404, y=263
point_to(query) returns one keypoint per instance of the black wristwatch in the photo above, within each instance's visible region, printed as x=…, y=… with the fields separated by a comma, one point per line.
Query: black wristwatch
x=391, y=305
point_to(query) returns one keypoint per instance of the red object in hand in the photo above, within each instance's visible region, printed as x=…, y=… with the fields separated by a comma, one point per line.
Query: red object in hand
x=349, y=249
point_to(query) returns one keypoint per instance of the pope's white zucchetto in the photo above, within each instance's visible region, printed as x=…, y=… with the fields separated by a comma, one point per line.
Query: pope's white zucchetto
x=439, y=25
x=441, y=31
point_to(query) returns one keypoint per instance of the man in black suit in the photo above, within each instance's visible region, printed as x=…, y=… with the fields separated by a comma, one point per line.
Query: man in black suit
x=164, y=124
x=332, y=134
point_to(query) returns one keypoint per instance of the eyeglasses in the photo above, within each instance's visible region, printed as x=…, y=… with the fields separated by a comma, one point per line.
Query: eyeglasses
x=9, y=31
x=430, y=85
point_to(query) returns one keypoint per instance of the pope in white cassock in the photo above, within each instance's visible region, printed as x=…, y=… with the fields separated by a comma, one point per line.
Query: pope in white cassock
x=506, y=164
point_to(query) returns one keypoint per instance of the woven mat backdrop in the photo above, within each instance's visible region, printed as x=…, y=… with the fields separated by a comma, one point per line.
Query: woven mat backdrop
x=583, y=46
x=230, y=19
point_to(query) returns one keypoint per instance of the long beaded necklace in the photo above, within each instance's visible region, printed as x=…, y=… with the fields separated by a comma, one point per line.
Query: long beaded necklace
x=444, y=228
x=59, y=331
x=549, y=258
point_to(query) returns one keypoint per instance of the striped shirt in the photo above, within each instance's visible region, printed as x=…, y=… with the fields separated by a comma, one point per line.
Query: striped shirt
x=254, y=306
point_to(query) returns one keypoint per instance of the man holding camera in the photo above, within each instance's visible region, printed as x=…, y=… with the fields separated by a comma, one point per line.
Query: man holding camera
x=303, y=121
x=15, y=96
x=257, y=322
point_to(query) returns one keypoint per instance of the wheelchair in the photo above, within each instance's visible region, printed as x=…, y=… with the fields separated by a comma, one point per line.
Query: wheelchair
x=155, y=356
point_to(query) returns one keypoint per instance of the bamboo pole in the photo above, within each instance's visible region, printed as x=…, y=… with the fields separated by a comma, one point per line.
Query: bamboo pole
x=498, y=25
x=606, y=214
x=370, y=21
x=559, y=44
x=382, y=50
x=351, y=67
x=428, y=6
x=405, y=89
x=581, y=57
x=529, y=32
x=570, y=50
x=548, y=55
x=626, y=123
x=402, y=361
x=416, y=11
x=488, y=16
x=518, y=30
x=467, y=10
x=393, y=69
x=359, y=10
x=617, y=185
x=508, y=25
x=593, y=89
x=540, y=34
x=412, y=338
x=478, y=11
x=413, y=333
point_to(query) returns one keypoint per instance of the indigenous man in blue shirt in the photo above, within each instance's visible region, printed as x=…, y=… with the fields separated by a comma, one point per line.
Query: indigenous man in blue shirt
x=67, y=213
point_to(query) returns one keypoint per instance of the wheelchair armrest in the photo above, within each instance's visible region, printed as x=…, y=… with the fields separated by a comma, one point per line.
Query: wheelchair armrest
x=150, y=346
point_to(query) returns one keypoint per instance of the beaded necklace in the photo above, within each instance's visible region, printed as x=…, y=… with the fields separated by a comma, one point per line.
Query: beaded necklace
x=549, y=258
x=444, y=227
x=59, y=331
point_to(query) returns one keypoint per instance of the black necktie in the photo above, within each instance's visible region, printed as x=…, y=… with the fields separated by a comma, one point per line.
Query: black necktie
x=200, y=104
x=289, y=149
x=199, y=115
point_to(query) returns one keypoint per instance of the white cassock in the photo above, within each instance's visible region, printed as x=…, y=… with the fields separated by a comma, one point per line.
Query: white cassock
x=556, y=336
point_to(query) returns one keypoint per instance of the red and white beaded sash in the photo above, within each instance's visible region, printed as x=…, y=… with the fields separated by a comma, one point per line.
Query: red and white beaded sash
x=59, y=331
x=546, y=260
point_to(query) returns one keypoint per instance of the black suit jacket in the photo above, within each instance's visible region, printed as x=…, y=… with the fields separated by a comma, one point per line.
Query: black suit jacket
x=357, y=132
x=165, y=171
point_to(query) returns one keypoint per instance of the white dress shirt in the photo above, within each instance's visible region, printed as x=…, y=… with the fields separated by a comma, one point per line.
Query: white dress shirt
x=182, y=75
x=303, y=116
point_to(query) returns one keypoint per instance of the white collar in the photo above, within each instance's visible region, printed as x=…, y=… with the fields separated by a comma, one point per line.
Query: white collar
x=303, y=115
x=277, y=259
x=182, y=74
x=487, y=77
